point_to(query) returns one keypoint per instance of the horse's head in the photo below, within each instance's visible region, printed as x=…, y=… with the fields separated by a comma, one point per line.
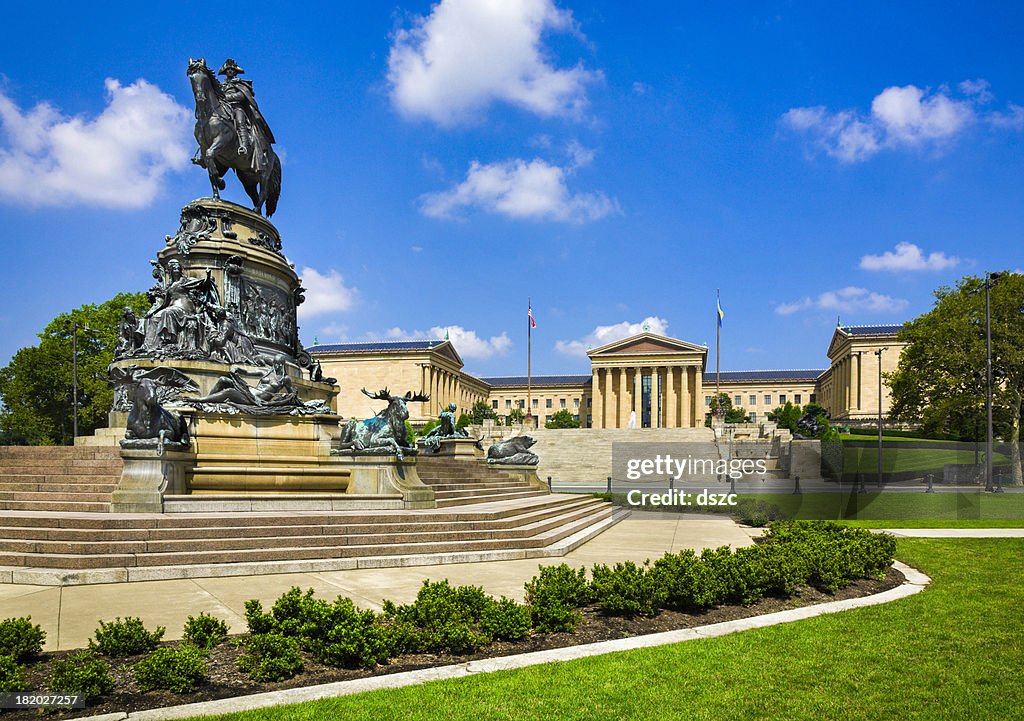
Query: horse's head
x=202, y=78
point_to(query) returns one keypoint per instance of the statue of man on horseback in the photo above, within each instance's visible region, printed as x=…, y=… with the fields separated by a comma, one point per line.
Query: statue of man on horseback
x=233, y=134
x=251, y=128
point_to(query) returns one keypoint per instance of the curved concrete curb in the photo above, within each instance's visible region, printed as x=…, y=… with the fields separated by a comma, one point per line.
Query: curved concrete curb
x=915, y=583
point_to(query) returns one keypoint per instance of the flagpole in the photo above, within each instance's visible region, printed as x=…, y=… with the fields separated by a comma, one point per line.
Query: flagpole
x=718, y=349
x=529, y=341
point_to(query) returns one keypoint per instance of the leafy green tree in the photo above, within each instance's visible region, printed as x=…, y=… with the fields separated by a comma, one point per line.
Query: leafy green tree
x=480, y=411
x=731, y=414
x=562, y=419
x=464, y=420
x=515, y=416
x=36, y=387
x=940, y=379
x=786, y=416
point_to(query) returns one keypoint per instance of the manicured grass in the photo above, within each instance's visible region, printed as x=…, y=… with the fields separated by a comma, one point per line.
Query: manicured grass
x=886, y=438
x=982, y=508
x=952, y=652
x=900, y=460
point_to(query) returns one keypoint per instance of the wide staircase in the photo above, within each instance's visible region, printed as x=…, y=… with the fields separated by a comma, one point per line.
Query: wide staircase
x=58, y=478
x=462, y=482
x=56, y=528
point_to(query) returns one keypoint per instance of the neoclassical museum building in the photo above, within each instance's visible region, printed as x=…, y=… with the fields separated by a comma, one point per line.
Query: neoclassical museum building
x=663, y=381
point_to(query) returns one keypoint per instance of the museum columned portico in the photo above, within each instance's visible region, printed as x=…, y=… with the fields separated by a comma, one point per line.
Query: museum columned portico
x=656, y=378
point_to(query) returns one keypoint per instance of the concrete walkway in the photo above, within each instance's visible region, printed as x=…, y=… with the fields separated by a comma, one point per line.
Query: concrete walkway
x=71, y=614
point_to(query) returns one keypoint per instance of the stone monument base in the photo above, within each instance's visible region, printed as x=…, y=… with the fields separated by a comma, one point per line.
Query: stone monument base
x=148, y=476
x=462, y=448
x=238, y=453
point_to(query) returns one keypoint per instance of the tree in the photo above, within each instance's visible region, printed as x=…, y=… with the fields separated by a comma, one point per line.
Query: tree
x=786, y=416
x=515, y=416
x=562, y=419
x=732, y=414
x=940, y=379
x=36, y=386
x=464, y=420
x=480, y=412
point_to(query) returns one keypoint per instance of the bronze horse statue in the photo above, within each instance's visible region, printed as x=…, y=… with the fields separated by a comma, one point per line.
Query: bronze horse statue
x=258, y=168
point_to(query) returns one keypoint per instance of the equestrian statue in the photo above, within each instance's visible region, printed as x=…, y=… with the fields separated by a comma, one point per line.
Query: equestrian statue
x=232, y=134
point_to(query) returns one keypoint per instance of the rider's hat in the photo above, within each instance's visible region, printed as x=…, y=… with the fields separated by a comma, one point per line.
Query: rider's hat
x=230, y=63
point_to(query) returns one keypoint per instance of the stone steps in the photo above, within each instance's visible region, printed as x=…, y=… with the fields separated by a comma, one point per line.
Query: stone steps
x=81, y=548
x=467, y=500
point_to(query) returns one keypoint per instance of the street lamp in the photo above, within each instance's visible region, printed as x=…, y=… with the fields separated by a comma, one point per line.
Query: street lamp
x=990, y=279
x=879, y=353
x=74, y=372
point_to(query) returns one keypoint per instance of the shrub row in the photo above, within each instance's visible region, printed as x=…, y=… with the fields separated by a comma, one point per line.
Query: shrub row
x=459, y=619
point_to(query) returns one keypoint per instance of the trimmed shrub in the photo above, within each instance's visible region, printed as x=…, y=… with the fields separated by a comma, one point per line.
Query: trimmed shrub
x=506, y=620
x=12, y=675
x=553, y=596
x=82, y=672
x=179, y=670
x=680, y=576
x=20, y=638
x=257, y=620
x=205, y=631
x=445, y=619
x=125, y=638
x=627, y=589
x=561, y=582
x=270, y=657
x=342, y=635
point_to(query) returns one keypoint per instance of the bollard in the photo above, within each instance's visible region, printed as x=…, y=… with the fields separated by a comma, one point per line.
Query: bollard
x=550, y=487
x=609, y=485
x=930, y=478
x=796, y=487
x=671, y=484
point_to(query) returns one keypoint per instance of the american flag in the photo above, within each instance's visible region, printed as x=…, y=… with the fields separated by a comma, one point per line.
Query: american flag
x=529, y=314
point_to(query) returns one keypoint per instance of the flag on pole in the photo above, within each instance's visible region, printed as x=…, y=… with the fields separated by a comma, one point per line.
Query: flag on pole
x=529, y=314
x=721, y=313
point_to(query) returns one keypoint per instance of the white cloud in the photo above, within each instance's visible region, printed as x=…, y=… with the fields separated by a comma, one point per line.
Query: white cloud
x=849, y=299
x=116, y=160
x=467, y=342
x=604, y=334
x=905, y=116
x=325, y=293
x=534, y=190
x=469, y=53
x=908, y=256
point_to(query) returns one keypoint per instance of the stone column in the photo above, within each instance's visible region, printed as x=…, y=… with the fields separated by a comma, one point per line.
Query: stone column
x=855, y=381
x=686, y=395
x=657, y=407
x=670, y=397
x=596, y=399
x=622, y=417
x=697, y=407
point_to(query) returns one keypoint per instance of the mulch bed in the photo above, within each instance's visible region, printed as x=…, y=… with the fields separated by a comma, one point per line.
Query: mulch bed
x=225, y=680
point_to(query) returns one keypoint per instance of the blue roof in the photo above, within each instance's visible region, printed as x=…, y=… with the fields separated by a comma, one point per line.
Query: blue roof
x=767, y=375
x=538, y=380
x=888, y=329
x=374, y=346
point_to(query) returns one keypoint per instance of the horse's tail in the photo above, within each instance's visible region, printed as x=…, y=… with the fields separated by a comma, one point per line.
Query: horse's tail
x=273, y=184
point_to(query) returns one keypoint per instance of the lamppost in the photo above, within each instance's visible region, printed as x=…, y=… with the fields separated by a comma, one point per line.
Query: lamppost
x=74, y=373
x=990, y=279
x=878, y=354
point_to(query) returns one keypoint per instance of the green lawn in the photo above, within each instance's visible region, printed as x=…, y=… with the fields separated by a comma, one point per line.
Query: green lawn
x=978, y=509
x=898, y=460
x=887, y=439
x=952, y=652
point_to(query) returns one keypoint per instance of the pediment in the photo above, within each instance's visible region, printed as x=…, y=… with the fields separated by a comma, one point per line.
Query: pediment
x=647, y=344
x=447, y=350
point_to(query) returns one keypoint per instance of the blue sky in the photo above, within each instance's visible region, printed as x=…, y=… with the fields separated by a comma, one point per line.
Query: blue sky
x=442, y=162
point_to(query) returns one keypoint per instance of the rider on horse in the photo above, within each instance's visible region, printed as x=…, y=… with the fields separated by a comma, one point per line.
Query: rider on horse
x=251, y=128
